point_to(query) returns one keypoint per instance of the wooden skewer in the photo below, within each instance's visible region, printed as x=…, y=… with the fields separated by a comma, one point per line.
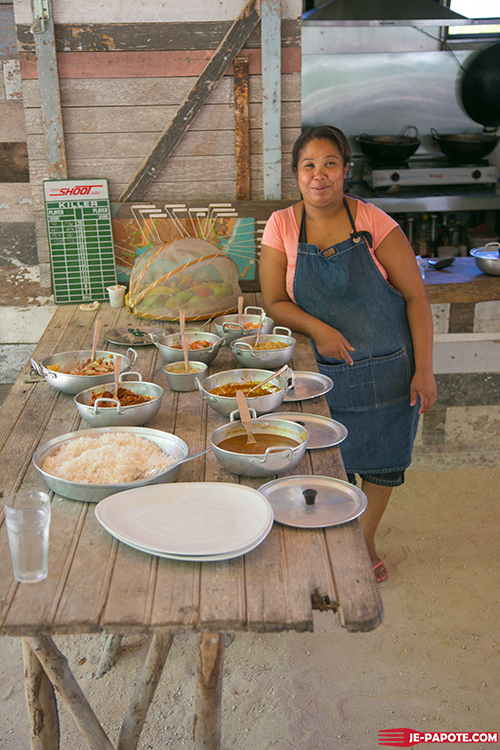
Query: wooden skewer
x=97, y=331
x=245, y=417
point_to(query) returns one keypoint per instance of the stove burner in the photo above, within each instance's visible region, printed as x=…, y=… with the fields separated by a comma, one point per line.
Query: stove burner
x=430, y=171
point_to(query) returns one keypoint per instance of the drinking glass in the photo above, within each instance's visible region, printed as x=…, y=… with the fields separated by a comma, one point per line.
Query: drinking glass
x=27, y=517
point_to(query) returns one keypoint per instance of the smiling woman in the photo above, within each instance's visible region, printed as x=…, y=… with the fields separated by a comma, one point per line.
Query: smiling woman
x=342, y=272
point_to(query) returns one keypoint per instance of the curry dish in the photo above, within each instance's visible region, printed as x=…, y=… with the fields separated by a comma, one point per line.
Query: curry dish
x=265, y=440
x=229, y=389
x=194, y=345
x=125, y=396
x=99, y=366
x=261, y=346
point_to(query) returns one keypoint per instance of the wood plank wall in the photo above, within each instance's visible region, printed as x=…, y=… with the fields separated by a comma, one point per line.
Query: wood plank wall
x=122, y=77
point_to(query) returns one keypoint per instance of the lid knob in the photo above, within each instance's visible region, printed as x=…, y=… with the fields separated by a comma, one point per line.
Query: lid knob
x=310, y=496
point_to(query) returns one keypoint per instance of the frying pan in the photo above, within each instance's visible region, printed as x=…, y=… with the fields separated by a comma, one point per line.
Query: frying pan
x=389, y=150
x=480, y=86
x=480, y=94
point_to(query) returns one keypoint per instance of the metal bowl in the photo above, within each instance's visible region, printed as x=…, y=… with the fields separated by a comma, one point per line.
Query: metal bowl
x=184, y=381
x=230, y=329
x=77, y=383
x=274, y=460
x=173, y=354
x=488, y=258
x=93, y=493
x=226, y=404
x=244, y=352
x=105, y=412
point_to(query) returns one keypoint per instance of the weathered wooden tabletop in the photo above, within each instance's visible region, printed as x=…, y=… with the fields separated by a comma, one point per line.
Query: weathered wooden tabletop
x=97, y=584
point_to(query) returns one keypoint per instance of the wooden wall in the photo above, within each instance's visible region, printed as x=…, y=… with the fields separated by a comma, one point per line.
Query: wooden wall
x=124, y=70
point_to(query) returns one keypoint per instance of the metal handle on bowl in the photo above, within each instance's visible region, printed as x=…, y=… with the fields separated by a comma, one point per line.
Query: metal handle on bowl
x=125, y=375
x=35, y=368
x=492, y=245
x=287, y=452
x=241, y=346
x=235, y=415
x=113, y=400
x=132, y=355
x=155, y=336
x=287, y=331
x=250, y=307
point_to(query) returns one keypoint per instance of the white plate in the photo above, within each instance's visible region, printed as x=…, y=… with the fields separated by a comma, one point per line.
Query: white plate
x=192, y=518
x=205, y=558
x=308, y=385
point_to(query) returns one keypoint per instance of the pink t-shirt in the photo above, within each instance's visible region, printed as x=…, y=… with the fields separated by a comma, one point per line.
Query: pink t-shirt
x=282, y=233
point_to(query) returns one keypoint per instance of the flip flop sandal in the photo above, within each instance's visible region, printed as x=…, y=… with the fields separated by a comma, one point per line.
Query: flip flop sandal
x=385, y=580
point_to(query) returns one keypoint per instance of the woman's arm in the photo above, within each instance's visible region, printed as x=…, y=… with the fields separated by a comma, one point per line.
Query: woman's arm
x=272, y=274
x=397, y=257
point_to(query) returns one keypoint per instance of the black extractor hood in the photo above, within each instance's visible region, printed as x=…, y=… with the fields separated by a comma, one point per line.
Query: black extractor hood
x=383, y=13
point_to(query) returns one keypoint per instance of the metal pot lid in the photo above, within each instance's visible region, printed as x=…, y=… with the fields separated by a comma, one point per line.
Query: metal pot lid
x=324, y=432
x=308, y=385
x=313, y=501
x=131, y=335
x=490, y=251
x=480, y=89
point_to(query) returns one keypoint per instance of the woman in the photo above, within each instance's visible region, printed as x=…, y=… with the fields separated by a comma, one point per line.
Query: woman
x=342, y=272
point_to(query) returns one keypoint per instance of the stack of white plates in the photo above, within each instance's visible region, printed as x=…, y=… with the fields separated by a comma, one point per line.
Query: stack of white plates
x=194, y=521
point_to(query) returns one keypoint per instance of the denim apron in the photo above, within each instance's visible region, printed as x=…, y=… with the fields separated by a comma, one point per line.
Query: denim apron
x=343, y=287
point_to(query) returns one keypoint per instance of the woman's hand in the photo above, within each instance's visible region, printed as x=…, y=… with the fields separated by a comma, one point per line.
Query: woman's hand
x=330, y=343
x=423, y=384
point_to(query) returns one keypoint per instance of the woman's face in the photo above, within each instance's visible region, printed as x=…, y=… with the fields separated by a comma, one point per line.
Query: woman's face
x=321, y=172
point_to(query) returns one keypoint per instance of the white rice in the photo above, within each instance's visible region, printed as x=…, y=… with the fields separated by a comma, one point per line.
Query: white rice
x=107, y=459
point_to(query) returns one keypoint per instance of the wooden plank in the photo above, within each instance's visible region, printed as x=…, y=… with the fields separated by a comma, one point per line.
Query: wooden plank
x=224, y=55
x=19, y=241
x=241, y=128
x=12, y=127
x=15, y=202
x=149, y=64
x=135, y=119
x=104, y=92
x=101, y=37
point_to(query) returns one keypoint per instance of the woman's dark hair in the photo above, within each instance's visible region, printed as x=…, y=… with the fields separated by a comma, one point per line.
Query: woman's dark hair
x=329, y=132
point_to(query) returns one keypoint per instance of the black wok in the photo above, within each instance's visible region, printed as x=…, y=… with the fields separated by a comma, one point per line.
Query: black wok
x=388, y=150
x=465, y=148
x=480, y=86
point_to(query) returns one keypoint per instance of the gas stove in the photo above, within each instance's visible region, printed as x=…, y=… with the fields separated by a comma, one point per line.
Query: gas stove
x=432, y=171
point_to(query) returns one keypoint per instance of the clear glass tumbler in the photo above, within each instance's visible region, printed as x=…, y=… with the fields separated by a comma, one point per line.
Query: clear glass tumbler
x=27, y=517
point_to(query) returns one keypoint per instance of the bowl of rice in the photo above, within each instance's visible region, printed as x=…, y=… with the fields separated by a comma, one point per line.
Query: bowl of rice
x=91, y=464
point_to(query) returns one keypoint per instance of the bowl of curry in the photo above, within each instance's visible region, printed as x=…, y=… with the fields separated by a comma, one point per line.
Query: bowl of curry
x=135, y=403
x=220, y=389
x=202, y=347
x=272, y=350
x=279, y=446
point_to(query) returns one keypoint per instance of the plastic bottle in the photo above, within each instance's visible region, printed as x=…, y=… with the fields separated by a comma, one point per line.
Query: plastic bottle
x=424, y=236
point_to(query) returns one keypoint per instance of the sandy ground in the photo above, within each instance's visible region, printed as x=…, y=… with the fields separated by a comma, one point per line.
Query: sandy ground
x=432, y=666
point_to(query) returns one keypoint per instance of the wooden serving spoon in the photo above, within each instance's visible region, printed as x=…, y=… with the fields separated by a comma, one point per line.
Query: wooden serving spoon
x=97, y=331
x=262, y=382
x=240, y=309
x=245, y=417
x=259, y=328
x=184, y=341
x=117, y=375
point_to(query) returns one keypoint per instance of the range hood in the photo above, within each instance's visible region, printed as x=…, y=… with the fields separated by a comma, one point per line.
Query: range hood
x=383, y=13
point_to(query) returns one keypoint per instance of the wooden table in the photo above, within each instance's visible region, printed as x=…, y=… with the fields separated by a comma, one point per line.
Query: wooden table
x=96, y=584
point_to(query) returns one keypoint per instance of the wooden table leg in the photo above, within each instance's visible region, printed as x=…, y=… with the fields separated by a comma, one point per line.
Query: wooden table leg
x=110, y=645
x=208, y=705
x=41, y=702
x=56, y=667
x=144, y=691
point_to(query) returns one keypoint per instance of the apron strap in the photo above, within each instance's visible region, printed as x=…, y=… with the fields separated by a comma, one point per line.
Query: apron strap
x=355, y=235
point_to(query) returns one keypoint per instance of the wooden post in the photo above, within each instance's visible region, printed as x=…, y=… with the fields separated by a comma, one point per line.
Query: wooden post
x=56, y=667
x=242, y=128
x=144, y=691
x=208, y=704
x=41, y=702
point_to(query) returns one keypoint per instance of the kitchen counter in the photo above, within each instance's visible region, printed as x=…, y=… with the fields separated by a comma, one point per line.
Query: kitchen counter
x=461, y=282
